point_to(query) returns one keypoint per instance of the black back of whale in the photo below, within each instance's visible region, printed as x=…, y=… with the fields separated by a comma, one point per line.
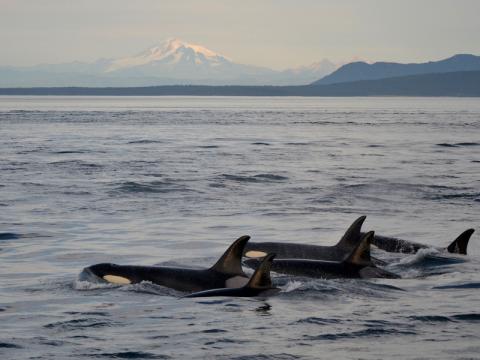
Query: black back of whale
x=357, y=264
x=227, y=268
x=337, y=252
x=391, y=244
x=260, y=284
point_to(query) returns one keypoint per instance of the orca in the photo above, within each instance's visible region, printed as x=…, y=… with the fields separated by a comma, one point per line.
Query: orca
x=304, y=251
x=226, y=273
x=260, y=284
x=357, y=264
x=391, y=244
x=337, y=252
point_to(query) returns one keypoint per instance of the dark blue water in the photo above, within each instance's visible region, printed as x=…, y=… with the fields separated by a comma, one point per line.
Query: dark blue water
x=175, y=180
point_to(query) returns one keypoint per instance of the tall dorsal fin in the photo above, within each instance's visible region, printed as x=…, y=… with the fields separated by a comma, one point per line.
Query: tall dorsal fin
x=231, y=260
x=361, y=253
x=459, y=245
x=352, y=236
x=261, y=277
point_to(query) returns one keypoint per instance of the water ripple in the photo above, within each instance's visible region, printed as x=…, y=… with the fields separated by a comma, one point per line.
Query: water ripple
x=369, y=332
x=77, y=324
x=130, y=355
x=160, y=187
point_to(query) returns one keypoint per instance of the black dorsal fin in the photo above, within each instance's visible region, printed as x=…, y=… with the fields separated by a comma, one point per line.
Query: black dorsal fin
x=261, y=277
x=231, y=260
x=361, y=253
x=352, y=236
x=459, y=245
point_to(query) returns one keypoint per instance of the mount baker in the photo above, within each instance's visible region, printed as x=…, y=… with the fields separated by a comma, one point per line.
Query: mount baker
x=173, y=62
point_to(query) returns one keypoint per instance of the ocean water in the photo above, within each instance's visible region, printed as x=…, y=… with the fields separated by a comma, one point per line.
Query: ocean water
x=174, y=180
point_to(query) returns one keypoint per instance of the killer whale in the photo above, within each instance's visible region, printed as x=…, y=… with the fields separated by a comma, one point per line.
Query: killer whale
x=351, y=237
x=336, y=252
x=357, y=264
x=391, y=244
x=260, y=284
x=226, y=273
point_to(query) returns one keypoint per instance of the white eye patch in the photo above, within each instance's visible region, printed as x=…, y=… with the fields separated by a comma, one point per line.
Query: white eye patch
x=255, y=254
x=114, y=279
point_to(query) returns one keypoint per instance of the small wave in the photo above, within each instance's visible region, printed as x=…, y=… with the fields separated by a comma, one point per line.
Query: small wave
x=209, y=146
x=417, y=258
x=446, y=145
x=468, y=144
x=212, y=302
x=264, y=357
x=227, y=340
x=9, y=236
x=384, y=287
x=84, y=285
x=259, y=178
x=271, y=177
x=467, y=317
x=440, y=318
x=9, y=346
x=145, y=141
x=462, y=195
x=459, y=144
x=214, y=331
x=291, y=286
x=87, y=313
x=31, y=151
x=70, y=152
x=261, y=143
x=14, y=236
x=375, y=146
x=75, y=163
x=473, y=285
x=82, y=323
x=381, y=188
x=76, y=193
x=297, y=144
x=430, y=318
x=369, y=332
x=317, y=321
x=150, y=187
x=130, y=355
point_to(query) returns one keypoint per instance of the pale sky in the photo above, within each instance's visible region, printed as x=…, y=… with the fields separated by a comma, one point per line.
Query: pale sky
x=272, y=33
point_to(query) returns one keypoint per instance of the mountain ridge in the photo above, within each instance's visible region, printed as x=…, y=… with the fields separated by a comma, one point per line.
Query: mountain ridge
x=359, y=70
x=168, y=63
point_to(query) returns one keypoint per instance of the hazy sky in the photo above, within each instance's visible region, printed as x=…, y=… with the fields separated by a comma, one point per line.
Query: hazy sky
x=273, y=33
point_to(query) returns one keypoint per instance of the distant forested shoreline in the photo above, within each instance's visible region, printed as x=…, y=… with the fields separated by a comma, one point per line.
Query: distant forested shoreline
x=461, y=84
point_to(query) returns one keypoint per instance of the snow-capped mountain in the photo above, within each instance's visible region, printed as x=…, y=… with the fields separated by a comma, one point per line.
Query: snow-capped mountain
x=172, y=52
x=169, y=63
x=186, y=64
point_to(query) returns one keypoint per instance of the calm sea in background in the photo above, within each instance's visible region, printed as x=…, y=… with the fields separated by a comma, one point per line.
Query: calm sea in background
x=174, y=180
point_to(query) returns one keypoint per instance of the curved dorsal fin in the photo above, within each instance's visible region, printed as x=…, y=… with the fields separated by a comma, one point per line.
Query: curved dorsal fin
x=352, y=236
x=459, y=245
x=361, y=253
x=231, y=260
x=261, y=277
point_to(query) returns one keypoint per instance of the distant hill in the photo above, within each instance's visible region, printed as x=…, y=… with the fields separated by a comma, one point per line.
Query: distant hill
x=463, y=83
x=357, y=71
